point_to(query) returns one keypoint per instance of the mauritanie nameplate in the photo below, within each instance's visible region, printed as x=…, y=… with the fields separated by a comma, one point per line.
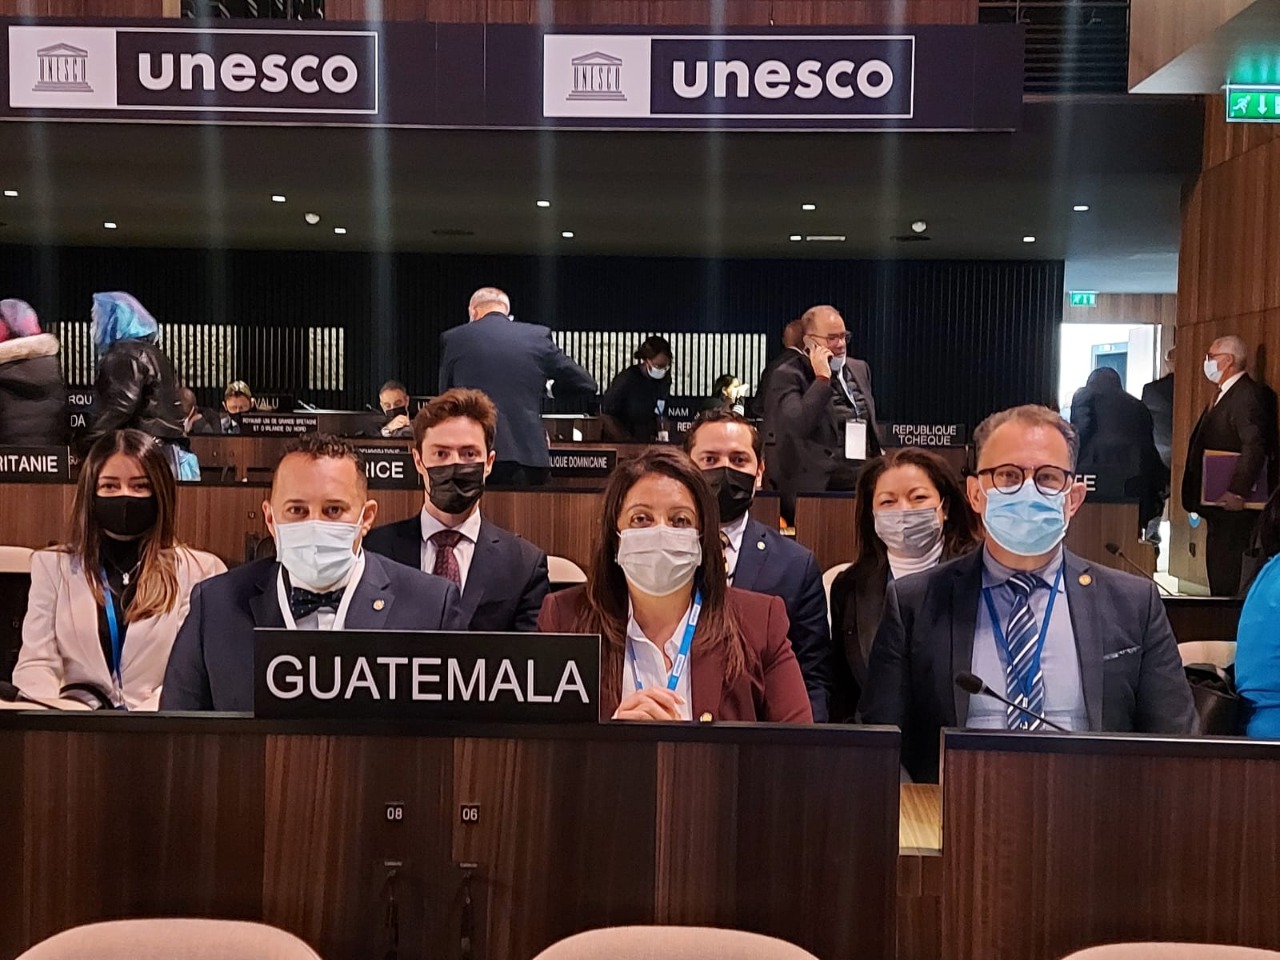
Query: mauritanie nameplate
x=402, y=675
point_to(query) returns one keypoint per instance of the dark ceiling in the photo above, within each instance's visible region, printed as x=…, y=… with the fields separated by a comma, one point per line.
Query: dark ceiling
x=684, y=194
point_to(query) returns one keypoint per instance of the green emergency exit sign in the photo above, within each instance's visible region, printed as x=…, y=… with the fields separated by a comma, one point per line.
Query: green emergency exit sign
x=1084, y=298
x=1253, y=103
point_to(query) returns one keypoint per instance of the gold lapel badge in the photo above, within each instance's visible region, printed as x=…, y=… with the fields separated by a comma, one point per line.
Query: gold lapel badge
x=379, y=604
x=1085, y=579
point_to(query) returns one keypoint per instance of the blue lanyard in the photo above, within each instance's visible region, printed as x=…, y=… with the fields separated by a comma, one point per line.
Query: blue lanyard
x=681, y=662
x=113, y=627
x=1044, y=630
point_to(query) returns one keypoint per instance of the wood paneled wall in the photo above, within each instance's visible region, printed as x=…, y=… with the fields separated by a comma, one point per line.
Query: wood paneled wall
x=83, y=8
x=662, y=12
x=1160, y=30
x=1156, y=308
x=1228, y=283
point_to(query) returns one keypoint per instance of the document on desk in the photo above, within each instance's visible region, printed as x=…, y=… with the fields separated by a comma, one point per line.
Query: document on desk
x=855, y=440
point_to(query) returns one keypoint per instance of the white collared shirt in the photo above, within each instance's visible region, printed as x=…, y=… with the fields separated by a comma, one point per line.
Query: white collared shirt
x=735, y=532
x=325, y=618
x=653, y=669
x=1226, y=385
x=464, y=551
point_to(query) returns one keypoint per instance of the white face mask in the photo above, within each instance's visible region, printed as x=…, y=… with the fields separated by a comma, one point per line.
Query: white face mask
x=1211, y=371
x=836, y=363
x=657, y=372
x=659, y=560
x=317, y=553
x=909, y=533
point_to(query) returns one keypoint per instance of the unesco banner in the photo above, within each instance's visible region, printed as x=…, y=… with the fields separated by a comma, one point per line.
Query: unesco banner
x=512, y=76
x=375, y=675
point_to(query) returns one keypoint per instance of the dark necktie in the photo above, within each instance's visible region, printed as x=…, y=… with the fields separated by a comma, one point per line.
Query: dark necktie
x=446, y=560
x=304, y=603
x=1021, y=673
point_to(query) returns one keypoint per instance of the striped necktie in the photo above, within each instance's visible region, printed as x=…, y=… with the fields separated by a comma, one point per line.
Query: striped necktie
x=1021, y=636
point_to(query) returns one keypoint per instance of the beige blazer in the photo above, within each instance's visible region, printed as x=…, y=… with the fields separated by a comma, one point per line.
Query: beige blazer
x=60, y=642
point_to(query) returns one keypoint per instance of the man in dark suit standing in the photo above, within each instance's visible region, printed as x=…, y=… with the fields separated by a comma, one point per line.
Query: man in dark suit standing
x=502, y=577
x=1158, y=398
x=1086, y=646
x=792, y=346
x=511, y=362
x=820, y=413
x=319, y=513
x=1240, y=419
x=726, y=447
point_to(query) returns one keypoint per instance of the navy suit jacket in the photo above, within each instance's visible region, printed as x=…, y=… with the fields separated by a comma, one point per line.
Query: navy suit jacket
x=211, y=666
x=512, y=363
x=506, y=582
x=771, y=564
x=1129, y=663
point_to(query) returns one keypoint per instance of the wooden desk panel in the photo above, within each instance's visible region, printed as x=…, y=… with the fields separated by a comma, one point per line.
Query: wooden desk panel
x=1098, y=524
x=786, y=831
x=1053, y=844
x=34, y=514
x=825, y=524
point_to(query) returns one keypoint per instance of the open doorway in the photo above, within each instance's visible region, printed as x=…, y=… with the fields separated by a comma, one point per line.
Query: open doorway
x=1132, y=350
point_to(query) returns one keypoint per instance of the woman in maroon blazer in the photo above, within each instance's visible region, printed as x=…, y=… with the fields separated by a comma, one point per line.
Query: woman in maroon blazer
x=676, y=642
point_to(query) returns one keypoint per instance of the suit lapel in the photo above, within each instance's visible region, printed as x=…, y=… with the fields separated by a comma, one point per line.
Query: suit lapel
x=408, y=545
x=966, y=590
x=84, y=612
x=371, y=604
x=265, y=604
x=751, y=557
x=1088, y=631
x=483, y=565
x=707, y=683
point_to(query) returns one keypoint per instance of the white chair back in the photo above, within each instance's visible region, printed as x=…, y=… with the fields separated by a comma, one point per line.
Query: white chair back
x=563, y=572
x=172, y=939
x=671, y=943
x=1220, y=653
x=828, y=579
x=15, y=559
x=1172, y=951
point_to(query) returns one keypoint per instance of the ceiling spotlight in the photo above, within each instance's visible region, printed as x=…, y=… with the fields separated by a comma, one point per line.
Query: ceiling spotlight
x=567, y=234
x=11, y=193
x=795, y=237
x=544, y=203
x=109, y=225
x=919, y=226
x=339, y=230
x=311, y=218
x=808, y=206
x=277, y=198
x=1028, y=239
x=826, y=238
x=1081, y=208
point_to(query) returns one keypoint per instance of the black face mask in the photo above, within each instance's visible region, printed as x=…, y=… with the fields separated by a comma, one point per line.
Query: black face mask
x=125, y=517
x=734, y=491
x=395, y=412
x=456, y=487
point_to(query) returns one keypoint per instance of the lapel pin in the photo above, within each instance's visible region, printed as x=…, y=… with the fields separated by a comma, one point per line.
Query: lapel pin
x=759, y=544
x=379, y=604
x=705, y=718
x=1085, y=579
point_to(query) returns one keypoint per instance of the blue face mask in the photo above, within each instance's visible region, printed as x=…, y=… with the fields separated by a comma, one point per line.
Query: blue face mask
x=1027, y=522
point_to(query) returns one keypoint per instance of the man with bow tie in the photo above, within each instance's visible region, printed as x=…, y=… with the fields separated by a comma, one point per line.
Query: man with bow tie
x=319, y=513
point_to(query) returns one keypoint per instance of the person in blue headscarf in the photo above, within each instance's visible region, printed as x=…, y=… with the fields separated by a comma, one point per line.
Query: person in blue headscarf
x=136, y=385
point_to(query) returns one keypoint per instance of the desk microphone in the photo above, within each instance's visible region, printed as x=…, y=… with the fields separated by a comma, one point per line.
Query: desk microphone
x=1115, y=551
x=974, y=685
x=11, y=694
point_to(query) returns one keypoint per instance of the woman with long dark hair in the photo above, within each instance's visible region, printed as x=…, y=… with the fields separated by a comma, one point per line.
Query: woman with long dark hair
x=106, y=605
x=911, y=514
x=677, y=643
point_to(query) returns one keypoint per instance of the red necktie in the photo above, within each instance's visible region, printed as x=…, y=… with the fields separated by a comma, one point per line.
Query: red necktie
x=446, y=560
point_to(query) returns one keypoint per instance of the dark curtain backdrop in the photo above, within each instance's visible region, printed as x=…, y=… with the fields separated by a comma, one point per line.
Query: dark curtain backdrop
x=947, y=341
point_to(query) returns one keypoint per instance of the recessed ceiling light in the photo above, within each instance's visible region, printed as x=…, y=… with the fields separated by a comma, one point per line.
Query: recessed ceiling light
x=826, y=238
x=277, y=198
x=11, y=193
x=340, y=230
x=311, y=218
x=1081, y=208
x=919, y=226
x=110, y=225
x=808, y=206
x=795, y=237
x=1028, y=239
x=567, y=234
x=544, y=203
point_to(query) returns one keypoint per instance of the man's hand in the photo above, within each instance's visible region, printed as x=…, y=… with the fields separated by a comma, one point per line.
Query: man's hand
x=399, y=423
x=1232, y=502
x=820, y=359
x=651, y=704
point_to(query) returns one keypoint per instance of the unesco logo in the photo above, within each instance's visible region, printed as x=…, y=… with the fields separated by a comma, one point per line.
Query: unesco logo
x=63, y=68
x=597, y=76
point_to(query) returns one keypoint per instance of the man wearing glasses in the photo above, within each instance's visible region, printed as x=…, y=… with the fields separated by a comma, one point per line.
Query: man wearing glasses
x=1088, y=647
x=820, y=413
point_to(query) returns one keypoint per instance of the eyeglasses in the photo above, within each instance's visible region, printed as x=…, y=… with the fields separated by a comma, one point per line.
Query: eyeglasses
x=1008, y=478
x=832, y=339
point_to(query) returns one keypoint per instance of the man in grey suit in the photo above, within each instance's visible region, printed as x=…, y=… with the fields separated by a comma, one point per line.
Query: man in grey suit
x=322, y=579
x=817, y=402
x=1088, y=647
x=511, y=362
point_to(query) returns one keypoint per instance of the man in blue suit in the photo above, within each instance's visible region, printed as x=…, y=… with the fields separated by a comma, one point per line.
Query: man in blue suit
x=727, y=448
x=319, y=513
x=511, y=362
x=502, y=577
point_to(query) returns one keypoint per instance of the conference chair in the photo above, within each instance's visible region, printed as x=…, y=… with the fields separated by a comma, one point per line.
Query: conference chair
x=828, y=579
x=1172, y=951
x=15, y=585
x=172, y=939
x=563, y=572
x=15, y=560
x=1220, y=653
x=671, y=943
